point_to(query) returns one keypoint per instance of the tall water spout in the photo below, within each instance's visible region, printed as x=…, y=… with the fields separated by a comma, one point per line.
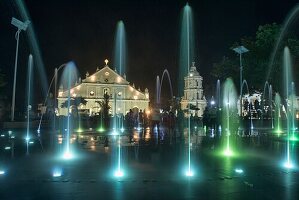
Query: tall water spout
x=230, y=113
x=289, y=101
x=29, y=86
x=120, y=49
x=69, y=77
x=186, y=57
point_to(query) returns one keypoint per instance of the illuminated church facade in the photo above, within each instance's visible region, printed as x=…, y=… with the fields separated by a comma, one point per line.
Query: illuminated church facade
x=122, y=95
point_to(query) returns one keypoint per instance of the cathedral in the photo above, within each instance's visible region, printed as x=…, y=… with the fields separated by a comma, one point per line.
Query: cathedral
x=122, y=95
x=193, y=98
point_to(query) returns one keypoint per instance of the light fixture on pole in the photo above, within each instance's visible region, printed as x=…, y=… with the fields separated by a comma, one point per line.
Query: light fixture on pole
x=22, y=26
x=240, y=50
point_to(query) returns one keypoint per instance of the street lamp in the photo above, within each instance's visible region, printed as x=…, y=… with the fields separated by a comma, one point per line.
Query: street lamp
x=240, y=50
x=21, y=26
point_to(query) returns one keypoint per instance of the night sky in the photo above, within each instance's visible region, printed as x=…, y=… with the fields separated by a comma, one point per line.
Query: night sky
x=84, y=31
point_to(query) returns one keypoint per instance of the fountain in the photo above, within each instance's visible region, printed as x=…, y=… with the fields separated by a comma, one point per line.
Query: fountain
x=69, y=76
x=186, y=56
x=159, y=85
x=29, y=86
x=244, y=83
x=289, y=103
x=229, y=113
x=278, y=128
x=268, y=87
x=120, y=50
x=116, y=132
x=120, y=58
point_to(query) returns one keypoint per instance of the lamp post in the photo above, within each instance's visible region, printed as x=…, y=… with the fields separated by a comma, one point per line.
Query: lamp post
x=240, y=50
x=21, y=26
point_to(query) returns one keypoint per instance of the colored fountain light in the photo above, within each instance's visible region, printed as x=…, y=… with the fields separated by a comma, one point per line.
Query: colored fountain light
x=288, y=165
x=79, y=130
x=101, y=129
x=227, y=152
x=27, y=138
x=67, y=155
x=57, y=172
x=122, y=130
x=189, y=173
x=118, y=173
x=239, y=171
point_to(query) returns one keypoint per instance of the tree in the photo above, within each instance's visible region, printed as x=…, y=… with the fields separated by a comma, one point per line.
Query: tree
x=74, y=103
x=256, y=61
x=105, y=107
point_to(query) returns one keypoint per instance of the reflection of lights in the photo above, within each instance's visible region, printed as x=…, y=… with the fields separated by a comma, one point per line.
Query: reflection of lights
x=122, y=130
x=101, y=129
x=38, y=131
x=212, y=102
x=118, y=173
x=2, y=135
x=7, y=148
x=239, y=171
x=288, y=165
x=2, y=172
x=114, y=133
x=27, y=138
x=31, y=142
x=79, y=130
x=57, y=172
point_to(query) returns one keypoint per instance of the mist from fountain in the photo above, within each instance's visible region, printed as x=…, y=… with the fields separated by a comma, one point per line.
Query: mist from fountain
x=268, y=98
x=186, y=56
x=229, y=113
x=120, y=49
x=68, y=79
x=290, y=101
x=29, y=88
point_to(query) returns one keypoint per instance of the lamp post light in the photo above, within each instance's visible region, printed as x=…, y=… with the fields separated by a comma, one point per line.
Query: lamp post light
x=240, y=50
x=21, y=26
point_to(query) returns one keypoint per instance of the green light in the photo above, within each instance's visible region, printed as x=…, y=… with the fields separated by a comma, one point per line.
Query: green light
x=293, y=138
x=79, y=130
x=228, y=153
x=101, y=129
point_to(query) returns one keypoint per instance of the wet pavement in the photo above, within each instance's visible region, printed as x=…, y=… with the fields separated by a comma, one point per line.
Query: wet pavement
x=154, y=169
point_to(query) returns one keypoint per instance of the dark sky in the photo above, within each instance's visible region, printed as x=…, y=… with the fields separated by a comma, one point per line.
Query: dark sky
x=83, y=31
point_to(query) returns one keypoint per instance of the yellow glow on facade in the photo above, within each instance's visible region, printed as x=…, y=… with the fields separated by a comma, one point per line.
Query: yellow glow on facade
x=118, y=79
x=135, y=97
